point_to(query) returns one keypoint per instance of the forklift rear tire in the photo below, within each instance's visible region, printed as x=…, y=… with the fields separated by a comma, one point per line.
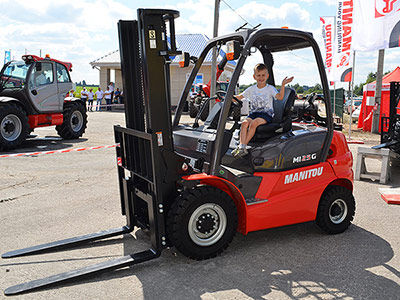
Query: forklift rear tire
x=74, y=121
x=202, y=222
x=206, y=111
x=336, y=210
x=13, y=126
x=193, y=110
x=236, y=113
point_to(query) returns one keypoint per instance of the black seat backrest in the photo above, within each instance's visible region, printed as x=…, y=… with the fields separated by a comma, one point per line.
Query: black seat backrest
x=282, y=121
x=282, y=107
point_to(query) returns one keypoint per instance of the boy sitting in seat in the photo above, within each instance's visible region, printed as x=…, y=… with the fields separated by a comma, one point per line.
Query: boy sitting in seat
x=261, y=98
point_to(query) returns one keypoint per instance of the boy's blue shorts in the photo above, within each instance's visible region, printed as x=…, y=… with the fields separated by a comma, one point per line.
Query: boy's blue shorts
x=262, y=115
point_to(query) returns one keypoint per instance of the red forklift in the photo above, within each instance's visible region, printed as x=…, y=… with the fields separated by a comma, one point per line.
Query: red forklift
x=180, y=182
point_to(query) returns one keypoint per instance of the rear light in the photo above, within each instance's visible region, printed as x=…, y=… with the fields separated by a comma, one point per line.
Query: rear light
x=181, y=62
x=184, y=60
x=232, y=50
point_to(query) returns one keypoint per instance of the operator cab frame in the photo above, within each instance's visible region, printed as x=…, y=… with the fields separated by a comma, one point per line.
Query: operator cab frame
x=209, y=147
x=41, y=84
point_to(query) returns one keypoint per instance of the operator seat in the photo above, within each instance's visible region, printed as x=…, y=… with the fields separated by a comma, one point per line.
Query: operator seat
x=281, y=122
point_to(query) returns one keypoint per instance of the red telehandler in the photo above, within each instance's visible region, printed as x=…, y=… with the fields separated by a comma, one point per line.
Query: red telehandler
x=33, y=94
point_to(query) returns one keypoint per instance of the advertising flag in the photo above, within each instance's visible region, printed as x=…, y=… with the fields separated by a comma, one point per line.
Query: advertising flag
x=376, y=24
x=327, y=27
x=7, y=56
x=342, y=62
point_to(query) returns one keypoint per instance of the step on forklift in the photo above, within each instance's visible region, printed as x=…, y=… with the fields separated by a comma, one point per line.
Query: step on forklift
x=181, y=184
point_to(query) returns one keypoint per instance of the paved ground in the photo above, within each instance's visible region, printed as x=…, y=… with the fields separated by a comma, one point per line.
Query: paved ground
x=50, y=197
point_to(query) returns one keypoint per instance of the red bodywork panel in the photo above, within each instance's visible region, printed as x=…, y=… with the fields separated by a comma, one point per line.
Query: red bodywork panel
x=43, y=120
x=229, y=188
x=68, y=65
x=207, y=87
x=292, y=196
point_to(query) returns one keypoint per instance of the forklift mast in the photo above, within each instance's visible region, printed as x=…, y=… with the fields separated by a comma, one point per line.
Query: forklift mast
x=148, y=167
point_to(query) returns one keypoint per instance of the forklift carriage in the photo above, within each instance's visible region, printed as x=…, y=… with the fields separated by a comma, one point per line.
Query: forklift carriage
x=181, y=183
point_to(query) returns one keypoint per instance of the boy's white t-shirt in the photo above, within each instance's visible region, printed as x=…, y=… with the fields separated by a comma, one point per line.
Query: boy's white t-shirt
x=261, y=100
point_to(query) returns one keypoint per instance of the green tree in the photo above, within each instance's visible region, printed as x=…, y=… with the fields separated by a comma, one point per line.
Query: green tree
x=244, y=86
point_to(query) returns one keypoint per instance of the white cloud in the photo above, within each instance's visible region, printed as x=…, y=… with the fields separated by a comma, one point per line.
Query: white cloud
x=83, y=30
x=327, y=2
x=76, y=31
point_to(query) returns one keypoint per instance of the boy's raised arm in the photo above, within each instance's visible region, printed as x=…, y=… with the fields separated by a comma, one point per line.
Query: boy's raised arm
x=281, y=93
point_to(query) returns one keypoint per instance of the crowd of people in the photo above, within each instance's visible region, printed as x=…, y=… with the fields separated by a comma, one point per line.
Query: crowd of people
x=109, y=96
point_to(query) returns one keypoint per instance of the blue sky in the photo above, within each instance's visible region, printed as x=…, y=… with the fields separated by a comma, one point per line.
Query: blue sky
x=82, y=31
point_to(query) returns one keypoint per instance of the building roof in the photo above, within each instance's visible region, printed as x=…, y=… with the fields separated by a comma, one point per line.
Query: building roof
x=112, y=59
x=191, y=43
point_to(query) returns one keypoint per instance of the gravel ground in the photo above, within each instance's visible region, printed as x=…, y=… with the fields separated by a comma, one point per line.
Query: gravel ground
x=55, y=196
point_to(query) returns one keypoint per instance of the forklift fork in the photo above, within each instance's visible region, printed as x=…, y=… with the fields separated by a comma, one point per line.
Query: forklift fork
x=110, y=265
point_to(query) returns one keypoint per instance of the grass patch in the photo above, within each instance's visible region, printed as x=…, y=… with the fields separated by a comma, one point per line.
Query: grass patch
x=78, y=90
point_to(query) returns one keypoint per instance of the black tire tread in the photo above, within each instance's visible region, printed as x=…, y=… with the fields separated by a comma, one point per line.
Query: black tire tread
x=18, y=110
x=192, y=110
x=177, y=211
x=329, y=195
x=64, y=130
x=206, y=111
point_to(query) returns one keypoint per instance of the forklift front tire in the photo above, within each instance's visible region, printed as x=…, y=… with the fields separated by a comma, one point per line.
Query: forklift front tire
x=202, y=222
x=336, y=210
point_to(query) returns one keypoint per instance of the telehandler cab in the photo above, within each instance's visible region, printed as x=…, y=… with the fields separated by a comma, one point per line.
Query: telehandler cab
x=181, y=183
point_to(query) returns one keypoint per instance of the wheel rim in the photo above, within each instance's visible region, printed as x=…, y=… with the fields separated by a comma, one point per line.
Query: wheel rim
x=207, y=224
x=11, y=127
x=76, y=120
x=338, y=211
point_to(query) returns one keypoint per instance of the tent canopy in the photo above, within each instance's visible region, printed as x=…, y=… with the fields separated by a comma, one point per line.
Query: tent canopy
x=392, y=76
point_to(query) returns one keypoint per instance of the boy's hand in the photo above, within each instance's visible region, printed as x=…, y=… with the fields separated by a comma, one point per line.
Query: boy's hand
x=287, y=80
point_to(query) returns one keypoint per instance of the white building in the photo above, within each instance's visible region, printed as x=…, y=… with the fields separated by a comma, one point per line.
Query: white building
x=109, y=66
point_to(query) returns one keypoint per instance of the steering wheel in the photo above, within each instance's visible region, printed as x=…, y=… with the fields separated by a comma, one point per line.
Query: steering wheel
x=221, y=95
x=310, y=99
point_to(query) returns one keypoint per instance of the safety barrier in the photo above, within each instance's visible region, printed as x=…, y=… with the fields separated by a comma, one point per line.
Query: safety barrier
x=58, y=151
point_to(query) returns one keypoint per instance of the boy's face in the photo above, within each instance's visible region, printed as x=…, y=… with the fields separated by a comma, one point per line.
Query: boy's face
x=261, y=76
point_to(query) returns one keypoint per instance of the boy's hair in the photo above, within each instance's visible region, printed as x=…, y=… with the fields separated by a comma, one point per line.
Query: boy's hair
x=260, y=67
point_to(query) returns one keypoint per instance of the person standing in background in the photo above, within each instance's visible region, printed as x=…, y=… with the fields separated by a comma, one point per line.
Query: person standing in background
x=84, y=95
x=117, y=95
x=99, y=97
x=108, y=97
x=111, y=87
x=90, y=95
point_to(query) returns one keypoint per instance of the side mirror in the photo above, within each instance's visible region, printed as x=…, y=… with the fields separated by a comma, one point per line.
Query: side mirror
x=233, y=50
x=184, y=60
x=38, y=67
